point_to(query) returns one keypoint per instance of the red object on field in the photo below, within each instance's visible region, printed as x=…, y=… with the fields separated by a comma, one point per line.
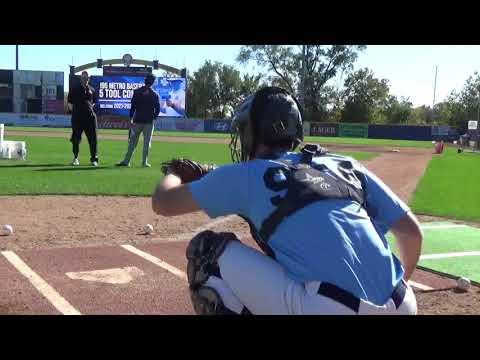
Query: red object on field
x=439, y=146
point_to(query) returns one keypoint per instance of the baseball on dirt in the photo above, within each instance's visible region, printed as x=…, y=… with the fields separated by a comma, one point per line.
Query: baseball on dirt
x=463, y=283
x=148, y=229
x=7, y=229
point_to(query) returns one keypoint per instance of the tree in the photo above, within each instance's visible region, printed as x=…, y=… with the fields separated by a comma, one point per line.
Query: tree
x=215, y=90
x=229, y=84
x=303, y=70
x=250, y=84
x=442, y=112
x=335, y=106
x=462, y=106
x=397, y=112
x=202, y=91
x=330, y=105
x=281, y=61
x=365, y=97
x=421, y=115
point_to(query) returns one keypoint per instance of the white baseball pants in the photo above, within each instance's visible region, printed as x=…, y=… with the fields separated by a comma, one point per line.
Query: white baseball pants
x=254, y=280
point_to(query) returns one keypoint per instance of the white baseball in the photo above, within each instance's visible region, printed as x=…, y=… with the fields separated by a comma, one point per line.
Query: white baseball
x=8, y=229
x=463, y=283
x=148, y=229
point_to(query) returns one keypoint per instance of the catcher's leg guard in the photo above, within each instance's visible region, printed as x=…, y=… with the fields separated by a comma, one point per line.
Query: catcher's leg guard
x=207, y=301
x=202, y=254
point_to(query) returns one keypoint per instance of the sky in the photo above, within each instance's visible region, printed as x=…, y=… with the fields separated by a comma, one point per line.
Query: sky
x=410, y=69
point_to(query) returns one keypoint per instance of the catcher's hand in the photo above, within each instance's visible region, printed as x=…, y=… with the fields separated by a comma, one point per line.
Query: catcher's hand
x=187, y=170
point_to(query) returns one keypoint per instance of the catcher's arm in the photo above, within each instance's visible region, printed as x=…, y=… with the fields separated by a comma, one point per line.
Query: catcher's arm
x=171, y=197
x=409, y=239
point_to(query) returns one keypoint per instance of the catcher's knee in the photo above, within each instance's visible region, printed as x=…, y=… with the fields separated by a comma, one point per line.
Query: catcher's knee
x=203, y=253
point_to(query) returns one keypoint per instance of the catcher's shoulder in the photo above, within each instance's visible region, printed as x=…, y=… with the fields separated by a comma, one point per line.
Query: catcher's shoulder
x=338, y=158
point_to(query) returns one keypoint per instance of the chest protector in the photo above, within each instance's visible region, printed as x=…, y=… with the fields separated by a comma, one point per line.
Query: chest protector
x=306, y=183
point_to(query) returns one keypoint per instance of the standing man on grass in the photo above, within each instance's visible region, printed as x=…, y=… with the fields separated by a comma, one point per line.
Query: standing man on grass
x=81, y=101
x=145, y=107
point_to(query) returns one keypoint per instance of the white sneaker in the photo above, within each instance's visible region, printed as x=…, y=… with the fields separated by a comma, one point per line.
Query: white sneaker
x=94, y=163
x=75, y=162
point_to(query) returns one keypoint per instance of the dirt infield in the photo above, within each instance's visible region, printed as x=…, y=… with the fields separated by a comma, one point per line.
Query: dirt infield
x=55, y=234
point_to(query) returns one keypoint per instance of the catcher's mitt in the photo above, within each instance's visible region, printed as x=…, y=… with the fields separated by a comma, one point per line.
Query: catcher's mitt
x=187, y=170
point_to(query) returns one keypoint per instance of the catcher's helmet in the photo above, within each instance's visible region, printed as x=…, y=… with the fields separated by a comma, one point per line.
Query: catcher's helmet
x=271, y=116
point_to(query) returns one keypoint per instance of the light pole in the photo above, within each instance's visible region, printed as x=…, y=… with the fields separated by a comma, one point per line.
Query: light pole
x=434, y=93
x=302, y=77
x=16, y=57
x=478, y=106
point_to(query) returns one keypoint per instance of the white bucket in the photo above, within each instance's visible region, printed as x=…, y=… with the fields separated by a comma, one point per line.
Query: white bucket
x=13, y=150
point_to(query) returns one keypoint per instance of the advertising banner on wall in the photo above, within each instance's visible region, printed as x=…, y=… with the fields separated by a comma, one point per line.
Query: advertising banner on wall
x=353, y=130
x=115, y=93
x=217, y=126
x=47, y=120
x=179, y=124
x=323, y=129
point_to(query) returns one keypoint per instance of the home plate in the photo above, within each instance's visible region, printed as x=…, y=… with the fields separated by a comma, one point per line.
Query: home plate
x=110, y=276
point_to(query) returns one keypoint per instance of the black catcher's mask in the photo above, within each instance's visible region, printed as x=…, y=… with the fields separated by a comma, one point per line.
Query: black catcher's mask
x=271, y=117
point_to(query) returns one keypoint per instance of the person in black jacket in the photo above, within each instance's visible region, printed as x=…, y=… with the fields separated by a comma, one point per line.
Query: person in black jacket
x=81, y=101
x=145, y=107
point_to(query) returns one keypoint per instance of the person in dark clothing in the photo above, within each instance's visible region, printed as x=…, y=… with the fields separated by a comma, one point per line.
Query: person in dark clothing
x=81, y=101
x=145, y=107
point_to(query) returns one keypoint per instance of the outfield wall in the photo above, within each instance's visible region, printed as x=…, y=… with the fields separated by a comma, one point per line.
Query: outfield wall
x=372, y=131
x=376, y=131
x=400, y=132
x=46, y=120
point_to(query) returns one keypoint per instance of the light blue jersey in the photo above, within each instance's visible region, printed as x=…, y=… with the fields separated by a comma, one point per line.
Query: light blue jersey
x=334, y=241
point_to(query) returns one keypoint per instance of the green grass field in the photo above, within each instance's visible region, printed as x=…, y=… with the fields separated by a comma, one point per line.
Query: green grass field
x=317, y=139
x=450, y=187
x=47, y=171
x=466, y=266
x=443, y=240
x=439, y=238
x=119, y=132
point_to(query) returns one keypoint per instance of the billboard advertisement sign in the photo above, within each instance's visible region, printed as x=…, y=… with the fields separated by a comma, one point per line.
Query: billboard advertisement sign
x=115, y=94
x=323, y=129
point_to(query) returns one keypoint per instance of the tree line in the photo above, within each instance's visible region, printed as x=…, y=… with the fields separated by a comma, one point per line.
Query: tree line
x=309, y=72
